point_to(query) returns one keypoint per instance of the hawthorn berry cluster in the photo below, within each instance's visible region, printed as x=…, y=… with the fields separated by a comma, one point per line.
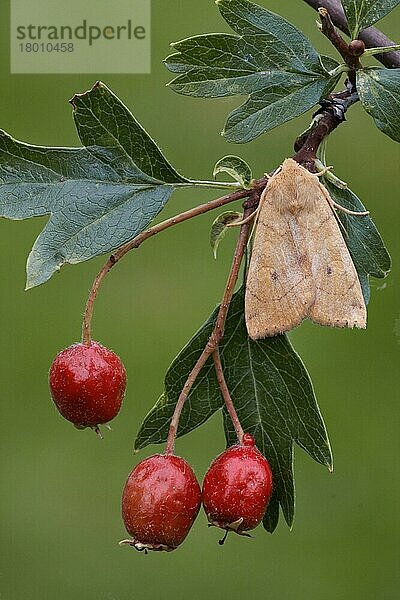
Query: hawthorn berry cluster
x=162, y=497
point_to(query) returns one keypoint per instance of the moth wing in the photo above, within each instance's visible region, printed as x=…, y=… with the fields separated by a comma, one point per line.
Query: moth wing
x=279, y=286
x=339, y=301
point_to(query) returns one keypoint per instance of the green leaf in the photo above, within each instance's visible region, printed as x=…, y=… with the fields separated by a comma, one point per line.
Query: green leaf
x=103, y=120
x=363, y=13
x=329, y=63
x=272, y=106
x=220, y=227
x=363, y=240
x=236, y=167
x=249, y=19
x=269, y=60
x=379, y=92
x=272, y=394
x=98, y=197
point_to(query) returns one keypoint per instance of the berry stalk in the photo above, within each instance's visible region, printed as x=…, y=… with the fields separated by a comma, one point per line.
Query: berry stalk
x=141, y=237
x=227, y=397
x=218, y=330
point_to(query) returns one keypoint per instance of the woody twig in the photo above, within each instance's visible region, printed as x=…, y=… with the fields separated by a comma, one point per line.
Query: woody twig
x=372, y=37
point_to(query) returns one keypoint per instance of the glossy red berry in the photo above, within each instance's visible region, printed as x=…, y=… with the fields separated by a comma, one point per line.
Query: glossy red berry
x=160, y=502
x=237, y=487
x=87, y=384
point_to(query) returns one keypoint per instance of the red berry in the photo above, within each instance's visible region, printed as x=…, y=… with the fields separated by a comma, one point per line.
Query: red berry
x=237, y=488
x=160, y=502
x=87, y=384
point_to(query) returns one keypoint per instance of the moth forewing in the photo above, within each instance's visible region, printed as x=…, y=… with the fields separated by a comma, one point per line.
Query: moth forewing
x=300, y=266
x=339, y=300
x=279, y=288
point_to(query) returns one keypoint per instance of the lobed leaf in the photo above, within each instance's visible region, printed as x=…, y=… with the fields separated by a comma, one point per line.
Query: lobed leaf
x=363, y=240
x=363, y=13
x=268, y=60
x=379, y=92
x=236, y=167
x=273, y=106
x=286, y=41
x=103, y=120
x=272, y=394
x=98, y=197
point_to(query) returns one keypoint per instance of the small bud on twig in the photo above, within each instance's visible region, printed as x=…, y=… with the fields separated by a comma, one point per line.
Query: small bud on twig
x=357, y=47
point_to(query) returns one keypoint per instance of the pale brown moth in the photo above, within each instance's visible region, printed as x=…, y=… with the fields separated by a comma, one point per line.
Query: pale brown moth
x=300, y=266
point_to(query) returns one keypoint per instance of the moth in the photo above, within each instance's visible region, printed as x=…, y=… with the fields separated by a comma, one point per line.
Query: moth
x=300, y=266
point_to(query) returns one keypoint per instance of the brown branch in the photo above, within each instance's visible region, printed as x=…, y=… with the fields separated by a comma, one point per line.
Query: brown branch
x=326, y=119
x=218, y=330
x=334, y=107
x=328, y=29
x=372, y=37
x=139, y=239
x=226, y=396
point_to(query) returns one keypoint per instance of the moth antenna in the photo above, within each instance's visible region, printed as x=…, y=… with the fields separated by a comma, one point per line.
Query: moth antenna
x=256, y=213
x=332, y=205
x=339, y=222
x=277, y=170
x=329, y=175
x=350, y=212
x=243, y=221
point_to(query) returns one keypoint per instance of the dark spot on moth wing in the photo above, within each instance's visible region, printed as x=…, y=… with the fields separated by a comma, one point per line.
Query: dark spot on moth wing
x=274, y=275
x=329, y=270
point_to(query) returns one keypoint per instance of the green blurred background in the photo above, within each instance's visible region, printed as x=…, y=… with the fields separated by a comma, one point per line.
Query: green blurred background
x=61, y=488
